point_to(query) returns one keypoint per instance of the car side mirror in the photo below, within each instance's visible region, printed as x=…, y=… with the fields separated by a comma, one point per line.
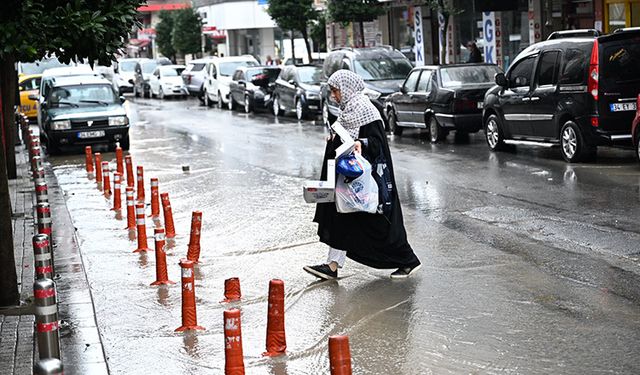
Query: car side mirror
x=501, y=80
x=122, y=99
x=34, y=97
x=131, y=81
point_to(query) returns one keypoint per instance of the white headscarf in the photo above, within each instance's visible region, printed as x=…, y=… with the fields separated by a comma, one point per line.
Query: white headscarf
x=356, y=108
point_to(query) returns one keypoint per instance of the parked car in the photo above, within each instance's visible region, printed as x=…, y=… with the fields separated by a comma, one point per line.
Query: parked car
x=383, y=69
x=141, y=76
x=166, y=81
x=219, y=72
x=298, y=89
x=125, y=74
x=194, y=76
x=441, y=99
x=163, y=61
x=38, y=67
x=253, y=87
x=635, y=129
x=29, y=85
x=576, y=92
x=83, y=110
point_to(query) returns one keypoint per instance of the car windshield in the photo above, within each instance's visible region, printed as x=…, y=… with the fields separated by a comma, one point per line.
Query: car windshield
x=40, y=66
x=78, y=95
x=260, y=74
x=169, y=72
x=311, y=74
x=468, y=75
x=127, y=66
x=149, y=67
x=382, y=68
x=227, y=68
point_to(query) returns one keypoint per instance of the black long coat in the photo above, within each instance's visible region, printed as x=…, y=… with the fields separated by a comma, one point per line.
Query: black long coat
x=371, y=239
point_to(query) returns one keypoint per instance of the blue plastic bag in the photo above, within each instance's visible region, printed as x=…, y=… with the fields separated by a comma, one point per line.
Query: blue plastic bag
x=358, y=194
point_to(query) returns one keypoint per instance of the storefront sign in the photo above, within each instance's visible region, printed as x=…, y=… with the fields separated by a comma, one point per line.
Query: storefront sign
x=534, y=22
x=418, y=36
x=489, y=32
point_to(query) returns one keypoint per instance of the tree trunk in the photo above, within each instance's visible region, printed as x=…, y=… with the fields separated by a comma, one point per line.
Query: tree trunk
x=293, y=48
x=362, y=34
x=305, y=36
x=8, y=86
x=8, y=277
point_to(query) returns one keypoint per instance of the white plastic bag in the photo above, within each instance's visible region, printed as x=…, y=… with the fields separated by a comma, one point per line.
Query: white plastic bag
x=358, y=195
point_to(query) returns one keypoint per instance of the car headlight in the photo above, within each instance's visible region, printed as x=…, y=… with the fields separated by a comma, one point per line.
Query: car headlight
x=372, y=94
x=61, y=125
x=118, y=121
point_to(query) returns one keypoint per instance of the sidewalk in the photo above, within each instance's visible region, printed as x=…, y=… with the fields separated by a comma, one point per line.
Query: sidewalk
x=80, y=342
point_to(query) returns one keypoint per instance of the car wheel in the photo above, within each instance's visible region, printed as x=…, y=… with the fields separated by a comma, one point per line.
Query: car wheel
x=219, y=103
x=52, y=148
x=147, y=93
x=393, y=123
x=436, y=133
x=573, y=146
x=247, y=104
x=205, y=99
x=276, y=106
x=230, y=103
x=299, y=109
x=124, y=143
x=161, y=93
x=493, y=134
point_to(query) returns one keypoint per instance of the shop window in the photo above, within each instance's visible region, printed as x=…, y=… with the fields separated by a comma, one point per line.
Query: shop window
x=617, y=16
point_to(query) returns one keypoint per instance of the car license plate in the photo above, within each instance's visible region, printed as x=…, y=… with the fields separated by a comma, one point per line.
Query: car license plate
x=480, y=105
x=622, y=107
x=91, y=134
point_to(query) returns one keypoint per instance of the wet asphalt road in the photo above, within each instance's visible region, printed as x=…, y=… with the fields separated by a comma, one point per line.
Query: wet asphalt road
x=531, y=265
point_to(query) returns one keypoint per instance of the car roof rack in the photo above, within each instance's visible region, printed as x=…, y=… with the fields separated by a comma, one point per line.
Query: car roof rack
x=624, y=29
x=574, y=34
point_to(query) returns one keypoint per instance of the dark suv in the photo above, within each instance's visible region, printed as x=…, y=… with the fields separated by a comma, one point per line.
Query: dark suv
x=382, y=68
x=576, y=92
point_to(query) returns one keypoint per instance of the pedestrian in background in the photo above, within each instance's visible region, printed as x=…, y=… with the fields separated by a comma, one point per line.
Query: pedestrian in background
x=375, y=240
x=475, y=56
x=269, y=61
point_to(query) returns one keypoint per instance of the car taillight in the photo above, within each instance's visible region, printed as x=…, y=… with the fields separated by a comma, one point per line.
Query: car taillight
x=594, y=71
x=595, y=121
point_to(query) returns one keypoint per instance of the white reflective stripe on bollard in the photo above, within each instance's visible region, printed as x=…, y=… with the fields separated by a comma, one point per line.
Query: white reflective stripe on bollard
x=46, y=310
x=42, y=257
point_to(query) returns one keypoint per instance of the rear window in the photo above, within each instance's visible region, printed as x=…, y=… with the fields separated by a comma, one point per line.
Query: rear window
x=468, y=75
x=621, y=62
x=196, y=67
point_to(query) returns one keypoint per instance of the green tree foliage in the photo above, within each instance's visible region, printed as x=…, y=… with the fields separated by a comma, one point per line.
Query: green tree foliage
x=164, y=30
x=294, y=15
x=187, y=31
x=357, y=11
x=30, y=29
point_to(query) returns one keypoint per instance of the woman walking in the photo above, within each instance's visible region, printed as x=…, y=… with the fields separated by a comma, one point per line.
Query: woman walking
x=376, y=240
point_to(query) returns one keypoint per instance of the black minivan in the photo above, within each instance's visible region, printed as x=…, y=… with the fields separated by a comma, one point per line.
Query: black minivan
x=576, y=92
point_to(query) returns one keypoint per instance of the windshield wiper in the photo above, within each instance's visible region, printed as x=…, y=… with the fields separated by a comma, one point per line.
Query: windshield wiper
x=94, y=101
x=74, y=105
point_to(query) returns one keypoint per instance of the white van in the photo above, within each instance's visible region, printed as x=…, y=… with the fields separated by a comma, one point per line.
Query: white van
x=219, y=72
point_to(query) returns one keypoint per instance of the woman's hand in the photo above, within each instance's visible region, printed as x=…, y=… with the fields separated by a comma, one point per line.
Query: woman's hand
x=358, y=147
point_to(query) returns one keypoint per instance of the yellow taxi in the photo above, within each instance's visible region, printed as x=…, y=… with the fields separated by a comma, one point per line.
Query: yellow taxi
x=29, y=84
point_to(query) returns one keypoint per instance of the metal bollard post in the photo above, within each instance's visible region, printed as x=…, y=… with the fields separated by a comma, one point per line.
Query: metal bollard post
x=36, y=163
x=48, y=366
x=38, y=176
x=42, y=256
x=43, y=213
x=42, y=192
x=44, y=291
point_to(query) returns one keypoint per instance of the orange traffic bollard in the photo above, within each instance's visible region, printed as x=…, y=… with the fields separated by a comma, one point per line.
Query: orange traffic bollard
x=232, y=290
x=142, y=229
x=276, y=338
x=106, y=181
x=129, y=163
x=88, y=159
x=140, y=174
x=193, y=253
x=168, y=216
x=233, y=357
x=155, y=199
x=119, y=162
x=189, y=317
x=339, y=355
x=131, y=209
x=162, y=277
x=117, y=191
x=98, y=160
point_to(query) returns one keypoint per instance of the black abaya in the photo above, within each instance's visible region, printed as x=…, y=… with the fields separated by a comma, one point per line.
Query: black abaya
x=374, y=240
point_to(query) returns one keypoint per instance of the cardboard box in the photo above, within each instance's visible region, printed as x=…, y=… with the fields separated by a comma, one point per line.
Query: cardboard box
x=321, y=191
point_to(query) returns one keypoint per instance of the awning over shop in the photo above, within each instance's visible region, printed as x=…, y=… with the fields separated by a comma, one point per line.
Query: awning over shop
x=139, y=43
x=159, y=7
